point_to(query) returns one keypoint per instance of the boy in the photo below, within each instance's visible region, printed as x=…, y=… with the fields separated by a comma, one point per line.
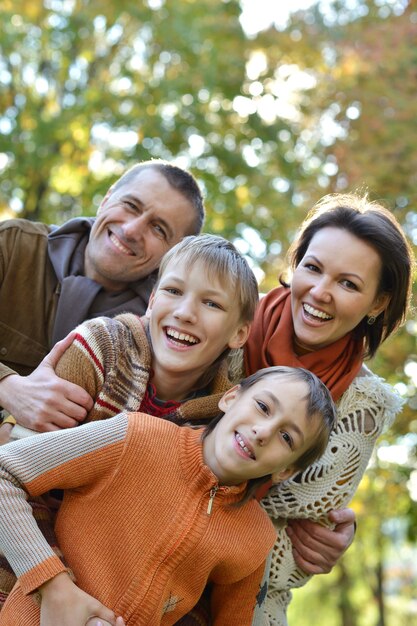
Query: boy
x=170, y=363
x=187, y=517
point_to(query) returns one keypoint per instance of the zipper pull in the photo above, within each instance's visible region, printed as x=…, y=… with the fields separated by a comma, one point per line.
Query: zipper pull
x=213, y=492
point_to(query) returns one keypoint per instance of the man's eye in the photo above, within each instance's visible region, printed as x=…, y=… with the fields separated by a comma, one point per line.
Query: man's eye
x=160, y=231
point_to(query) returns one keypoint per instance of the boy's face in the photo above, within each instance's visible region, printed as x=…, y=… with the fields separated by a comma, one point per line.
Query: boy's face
x=193, y=318
x=265, y=430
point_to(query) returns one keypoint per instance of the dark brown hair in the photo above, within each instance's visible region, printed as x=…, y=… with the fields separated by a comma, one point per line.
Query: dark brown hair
x=377, y=227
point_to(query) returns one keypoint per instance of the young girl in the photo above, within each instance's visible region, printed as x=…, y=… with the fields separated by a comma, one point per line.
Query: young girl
x=152, y=512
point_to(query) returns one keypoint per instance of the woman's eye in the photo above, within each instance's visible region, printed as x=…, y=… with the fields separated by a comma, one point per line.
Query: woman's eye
x=312, y=267
x=287, y=438
x=348, y=283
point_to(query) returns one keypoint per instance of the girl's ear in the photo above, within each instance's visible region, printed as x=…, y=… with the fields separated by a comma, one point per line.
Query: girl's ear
x=279, y=477
x=228, y=398
x=150, y=304
x=240, y=336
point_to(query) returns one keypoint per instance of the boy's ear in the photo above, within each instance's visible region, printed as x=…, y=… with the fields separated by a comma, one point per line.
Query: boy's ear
x=240, y=336
x=150, y=304
x=228, y=398
x=279, y=477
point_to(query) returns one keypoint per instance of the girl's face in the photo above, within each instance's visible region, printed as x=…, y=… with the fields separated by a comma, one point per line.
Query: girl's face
x=333, y=288
x=265, y=430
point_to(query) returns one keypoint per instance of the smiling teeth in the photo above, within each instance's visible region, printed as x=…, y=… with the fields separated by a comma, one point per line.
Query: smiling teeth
x=311, y=311
x=242, y=445
x=181, y=336
x=118, y=245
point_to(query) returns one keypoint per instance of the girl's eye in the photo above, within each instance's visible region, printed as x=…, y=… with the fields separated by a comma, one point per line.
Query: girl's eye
x=263, y=407
x=287, y=438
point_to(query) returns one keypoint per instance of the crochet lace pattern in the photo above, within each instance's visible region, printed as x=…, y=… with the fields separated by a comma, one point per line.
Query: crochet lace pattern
x=366, y=409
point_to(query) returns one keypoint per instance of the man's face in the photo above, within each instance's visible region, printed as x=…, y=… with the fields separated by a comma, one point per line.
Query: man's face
x=135, y=226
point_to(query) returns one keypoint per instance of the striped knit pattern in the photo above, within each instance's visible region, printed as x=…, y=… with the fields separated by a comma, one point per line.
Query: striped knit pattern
x=157, y=548
x=112, y=360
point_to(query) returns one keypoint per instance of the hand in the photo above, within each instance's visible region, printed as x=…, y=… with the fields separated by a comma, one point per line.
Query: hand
x=42, y=401
x=5, y=431
x=66, y=604
x=95, y=621
x=316, y=548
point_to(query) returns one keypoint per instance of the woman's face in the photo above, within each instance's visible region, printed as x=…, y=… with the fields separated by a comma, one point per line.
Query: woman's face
x=333, y=288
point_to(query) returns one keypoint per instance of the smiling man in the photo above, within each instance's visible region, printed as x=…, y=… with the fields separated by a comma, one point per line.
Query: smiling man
x=51, y=279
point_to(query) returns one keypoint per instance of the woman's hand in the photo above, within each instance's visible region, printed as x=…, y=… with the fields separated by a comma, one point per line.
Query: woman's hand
x=316, y=548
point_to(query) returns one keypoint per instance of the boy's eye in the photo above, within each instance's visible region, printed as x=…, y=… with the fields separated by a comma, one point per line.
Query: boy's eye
x=172, y=290
x=287, y=438
x=213, y=304
x=263, y=407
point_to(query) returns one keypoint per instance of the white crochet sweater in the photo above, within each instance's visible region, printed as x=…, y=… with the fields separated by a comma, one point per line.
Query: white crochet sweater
x=365, y=410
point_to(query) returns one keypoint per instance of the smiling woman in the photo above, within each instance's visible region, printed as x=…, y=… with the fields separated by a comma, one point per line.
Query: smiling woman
x=350, y=290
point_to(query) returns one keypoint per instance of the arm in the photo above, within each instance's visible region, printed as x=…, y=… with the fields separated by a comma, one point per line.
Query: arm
x=365, y=409
x=237, y=603
x=43, y=401
x=37, y=464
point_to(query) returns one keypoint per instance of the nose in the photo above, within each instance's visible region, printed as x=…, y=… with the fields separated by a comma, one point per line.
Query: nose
x=186, y=310
x=262, y=432
x=134, y=229
x=321, y=290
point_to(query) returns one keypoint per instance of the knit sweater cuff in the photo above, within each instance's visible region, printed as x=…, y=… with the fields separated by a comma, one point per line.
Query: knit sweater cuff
x=37, y=576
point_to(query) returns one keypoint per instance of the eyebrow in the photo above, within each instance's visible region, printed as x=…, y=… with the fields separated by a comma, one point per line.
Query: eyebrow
x=293, y=426
x=164, y=223
x=312, y=256
x=207, y=291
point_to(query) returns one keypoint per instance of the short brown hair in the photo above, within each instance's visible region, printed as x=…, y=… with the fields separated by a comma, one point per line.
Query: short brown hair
x=377, y=227
x=179, y=179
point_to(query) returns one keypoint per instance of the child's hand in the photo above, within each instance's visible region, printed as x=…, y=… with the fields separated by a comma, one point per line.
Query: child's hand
x=66, y=604
x=95, y=621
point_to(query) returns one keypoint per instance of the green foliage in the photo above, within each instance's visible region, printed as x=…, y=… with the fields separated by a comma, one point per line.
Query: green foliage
x=268, y=124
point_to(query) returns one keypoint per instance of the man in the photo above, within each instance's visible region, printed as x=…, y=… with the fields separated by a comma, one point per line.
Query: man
x=53, y=279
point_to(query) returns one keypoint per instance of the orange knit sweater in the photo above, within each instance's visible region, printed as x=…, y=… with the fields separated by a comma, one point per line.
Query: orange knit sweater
x=134, y=524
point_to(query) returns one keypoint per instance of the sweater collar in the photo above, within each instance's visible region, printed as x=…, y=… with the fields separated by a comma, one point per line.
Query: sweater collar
x=196, y=470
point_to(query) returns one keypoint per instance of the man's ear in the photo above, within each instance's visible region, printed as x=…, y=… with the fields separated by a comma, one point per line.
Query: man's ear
x=150, y=304
x=228, y=398
x=279, y=477
x=103, y=202
x=240, y=336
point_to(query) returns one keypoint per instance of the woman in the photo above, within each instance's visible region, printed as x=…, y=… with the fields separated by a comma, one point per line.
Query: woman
x=350, y=290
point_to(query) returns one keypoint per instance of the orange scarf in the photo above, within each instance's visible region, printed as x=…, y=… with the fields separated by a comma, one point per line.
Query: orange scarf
x=271, y=343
